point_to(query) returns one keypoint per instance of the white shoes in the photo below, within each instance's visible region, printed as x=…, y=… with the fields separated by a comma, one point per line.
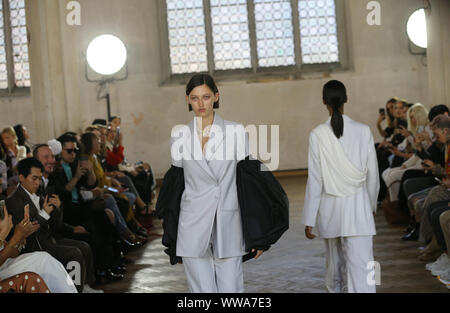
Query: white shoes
x=88, y=289
x=441, y=265
x=445, y=278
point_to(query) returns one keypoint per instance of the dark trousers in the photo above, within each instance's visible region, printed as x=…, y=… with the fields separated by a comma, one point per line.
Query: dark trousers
x=402, y=197
x=103, y=236
x=434, y=213
x=67, y=251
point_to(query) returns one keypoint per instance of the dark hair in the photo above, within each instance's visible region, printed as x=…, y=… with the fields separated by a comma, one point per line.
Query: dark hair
x=112, y=118
x=200, y=80
x=20, y=136
x=392, y=100
x=86, y=142
x=36, y=149
x=67, y=138
x=335, y=95
x=438, y=110
x=100, y=121
x=24, y=167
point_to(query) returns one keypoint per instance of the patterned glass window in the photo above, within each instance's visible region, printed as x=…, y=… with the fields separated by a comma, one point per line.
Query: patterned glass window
x=14, y=60
x=318, y=31
x=19, y=43
x=187, y=36
x=3, y=64
x=230, y=34
x=226, y=35
x=274, y=33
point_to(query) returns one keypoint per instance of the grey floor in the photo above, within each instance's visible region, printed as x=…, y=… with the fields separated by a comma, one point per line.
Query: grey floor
x=293, y=265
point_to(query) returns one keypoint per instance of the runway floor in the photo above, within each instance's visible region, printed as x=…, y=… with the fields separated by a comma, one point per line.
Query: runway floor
x=294, y=265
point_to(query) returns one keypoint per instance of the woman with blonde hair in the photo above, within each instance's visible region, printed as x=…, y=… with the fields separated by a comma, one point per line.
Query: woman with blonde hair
x=418, y=129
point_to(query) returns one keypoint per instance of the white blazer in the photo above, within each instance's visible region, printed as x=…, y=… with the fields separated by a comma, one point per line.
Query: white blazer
x=209, y=208
x=348, y=216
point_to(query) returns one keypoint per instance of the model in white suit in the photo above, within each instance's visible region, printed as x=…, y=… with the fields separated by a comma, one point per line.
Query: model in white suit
x=341, y=198
x=210, y=237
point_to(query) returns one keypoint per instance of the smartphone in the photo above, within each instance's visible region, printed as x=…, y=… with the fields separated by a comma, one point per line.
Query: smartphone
x=438, y=180
x=2, y=212
x=382, y=111
x=112, y=189
x=420, y=129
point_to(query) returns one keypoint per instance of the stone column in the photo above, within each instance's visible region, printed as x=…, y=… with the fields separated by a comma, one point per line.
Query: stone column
x=438, y=20
x=47, y=69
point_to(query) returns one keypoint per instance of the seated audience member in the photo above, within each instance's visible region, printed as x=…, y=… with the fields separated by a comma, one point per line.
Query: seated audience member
x=388, y=116
x=72, y=179
x=438, y=246
x=417, y=117
x=24, y=283
x=133, y=223
x=69, y=228
x=14, y=154
x=91, y=146
x=385, y=150
x=47, y=211
x=444, y=219
x=115, y=121
x=14, y=268
x=115, y=157
x=435, y=152
x=22, y=138
x=421, y=201
x=3, y=180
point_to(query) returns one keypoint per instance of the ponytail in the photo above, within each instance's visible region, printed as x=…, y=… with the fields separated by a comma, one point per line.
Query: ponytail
x=335, y=95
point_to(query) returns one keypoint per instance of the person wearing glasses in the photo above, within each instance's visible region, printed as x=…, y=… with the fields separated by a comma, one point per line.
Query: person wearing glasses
x=74, y=181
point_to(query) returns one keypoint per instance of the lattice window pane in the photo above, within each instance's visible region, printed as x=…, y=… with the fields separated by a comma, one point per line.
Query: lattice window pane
x=187, y=38
x=274, y=33
x=19, y=43
x=231, y=36
x=3, y=67
x=318, y=31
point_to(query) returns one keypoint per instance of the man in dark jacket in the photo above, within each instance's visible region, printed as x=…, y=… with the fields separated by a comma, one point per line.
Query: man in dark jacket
x=68, y=180
x=47, y=211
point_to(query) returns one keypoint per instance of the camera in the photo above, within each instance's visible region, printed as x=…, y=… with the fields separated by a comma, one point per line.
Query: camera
x=382, y=111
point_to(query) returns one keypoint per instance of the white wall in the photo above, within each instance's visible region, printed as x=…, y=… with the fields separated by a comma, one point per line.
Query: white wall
x=382, y=68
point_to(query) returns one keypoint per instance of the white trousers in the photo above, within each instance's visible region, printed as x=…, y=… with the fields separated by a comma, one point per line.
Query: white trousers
x=348, y=259
x=51, y=270
x=212, y=275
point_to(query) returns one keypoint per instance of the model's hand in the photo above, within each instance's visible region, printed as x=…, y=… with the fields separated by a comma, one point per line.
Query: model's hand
x=308, y=233
x=258, y=253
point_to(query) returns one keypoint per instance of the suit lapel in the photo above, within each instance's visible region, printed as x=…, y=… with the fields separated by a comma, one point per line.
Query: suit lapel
x=33, y=209
x=216, y=142
x=195, y=147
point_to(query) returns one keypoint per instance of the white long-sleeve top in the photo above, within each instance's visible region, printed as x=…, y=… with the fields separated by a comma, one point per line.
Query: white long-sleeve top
x=346, y=216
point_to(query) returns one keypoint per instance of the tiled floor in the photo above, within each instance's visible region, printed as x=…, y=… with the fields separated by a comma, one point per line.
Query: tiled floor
x=293, y=265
